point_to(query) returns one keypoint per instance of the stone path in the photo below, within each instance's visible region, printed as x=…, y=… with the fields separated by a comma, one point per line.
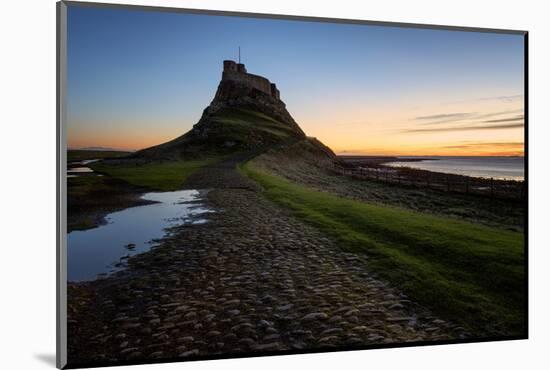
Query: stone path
x=253, y=279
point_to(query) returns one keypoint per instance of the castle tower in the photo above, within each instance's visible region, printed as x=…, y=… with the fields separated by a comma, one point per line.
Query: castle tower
x=274, y=91
x=241, y=68
x=229, y=66
x=236, y=72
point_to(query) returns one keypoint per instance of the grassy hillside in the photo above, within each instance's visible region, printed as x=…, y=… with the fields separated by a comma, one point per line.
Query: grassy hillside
x=240, y=122
x=228, y=131
x=471, y=274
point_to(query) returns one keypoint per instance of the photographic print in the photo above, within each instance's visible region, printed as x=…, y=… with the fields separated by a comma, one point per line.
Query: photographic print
x=242, y=185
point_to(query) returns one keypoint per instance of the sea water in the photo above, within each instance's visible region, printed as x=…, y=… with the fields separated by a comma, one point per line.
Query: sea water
x=502, y=168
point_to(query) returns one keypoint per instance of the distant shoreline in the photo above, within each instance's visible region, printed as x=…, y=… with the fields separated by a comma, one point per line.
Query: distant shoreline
x=378, y=160
x=383, y=161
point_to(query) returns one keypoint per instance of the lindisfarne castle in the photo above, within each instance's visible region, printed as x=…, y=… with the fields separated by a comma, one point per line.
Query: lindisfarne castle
x=246, y=113
x=233, y=71
x=242, y=90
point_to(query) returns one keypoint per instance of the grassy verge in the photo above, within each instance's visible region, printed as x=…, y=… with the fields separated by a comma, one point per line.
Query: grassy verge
x=79, y=155
x=164, y=176
x=468, y=273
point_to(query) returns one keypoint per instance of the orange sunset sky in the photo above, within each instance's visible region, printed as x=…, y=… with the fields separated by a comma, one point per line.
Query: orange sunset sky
x=137, y=79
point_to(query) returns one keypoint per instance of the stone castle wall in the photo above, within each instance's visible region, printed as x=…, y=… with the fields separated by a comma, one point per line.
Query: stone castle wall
x=237, y=72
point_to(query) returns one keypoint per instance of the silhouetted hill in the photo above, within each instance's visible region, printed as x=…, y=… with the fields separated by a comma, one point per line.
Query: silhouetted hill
x=246, y=115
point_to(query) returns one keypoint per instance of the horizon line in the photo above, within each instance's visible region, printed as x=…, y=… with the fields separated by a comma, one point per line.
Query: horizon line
x=337, y=153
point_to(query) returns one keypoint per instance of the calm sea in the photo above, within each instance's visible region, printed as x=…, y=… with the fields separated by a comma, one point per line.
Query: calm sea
x=503, y=168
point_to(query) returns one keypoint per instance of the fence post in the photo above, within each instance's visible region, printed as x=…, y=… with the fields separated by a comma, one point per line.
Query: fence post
x=448, y=184
x=428, y=180
x=377, y=173
x=467, y=185
x=492, y=188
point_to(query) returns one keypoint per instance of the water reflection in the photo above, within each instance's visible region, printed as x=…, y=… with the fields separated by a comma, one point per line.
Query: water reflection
x=128, y=232
x=79, y=167
x=79, y=170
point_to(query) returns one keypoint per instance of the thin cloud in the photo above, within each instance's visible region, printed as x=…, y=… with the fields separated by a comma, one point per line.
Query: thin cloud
x=442, y=116
x=500, y=113
x=510, y=119
x=501, y=98
x=447, y=118
x=458, y=117
x=465, y=128
x=485, y=145
x=508, y=98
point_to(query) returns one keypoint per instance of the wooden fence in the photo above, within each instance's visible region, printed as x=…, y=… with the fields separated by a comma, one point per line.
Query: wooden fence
x=502, y=189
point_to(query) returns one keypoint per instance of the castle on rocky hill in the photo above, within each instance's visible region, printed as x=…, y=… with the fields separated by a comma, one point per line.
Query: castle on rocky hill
x=246, y=113
x=233, y=71
x=240, y=89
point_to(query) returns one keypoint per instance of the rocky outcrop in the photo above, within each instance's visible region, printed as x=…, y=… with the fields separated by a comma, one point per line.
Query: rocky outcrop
x=236, y=94
x=246, y=114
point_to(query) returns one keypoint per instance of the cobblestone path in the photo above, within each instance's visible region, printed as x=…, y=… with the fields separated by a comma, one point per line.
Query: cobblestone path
x=252, y=279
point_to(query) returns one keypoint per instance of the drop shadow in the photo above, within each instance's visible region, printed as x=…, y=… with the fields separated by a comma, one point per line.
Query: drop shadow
x=47, y=358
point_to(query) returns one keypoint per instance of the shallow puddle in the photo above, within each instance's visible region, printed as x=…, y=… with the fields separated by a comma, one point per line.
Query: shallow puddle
x=104, y=249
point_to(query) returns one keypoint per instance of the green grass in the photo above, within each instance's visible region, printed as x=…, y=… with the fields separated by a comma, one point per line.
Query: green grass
x=247, y=119
x=83, y=185
x=79, y=155
x=164, y=176
x=468, y=273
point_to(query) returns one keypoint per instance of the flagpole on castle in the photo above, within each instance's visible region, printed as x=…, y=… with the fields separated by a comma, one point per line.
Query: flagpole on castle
x=239, y=54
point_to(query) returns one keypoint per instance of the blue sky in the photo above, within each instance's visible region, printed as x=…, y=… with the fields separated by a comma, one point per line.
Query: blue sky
x=148, y=75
